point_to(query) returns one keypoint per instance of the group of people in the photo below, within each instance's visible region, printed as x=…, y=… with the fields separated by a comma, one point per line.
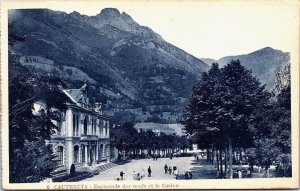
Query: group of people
x=188, y=175
x=155, y=157
x=137, y=175
x=244, y=173
x=170, y=170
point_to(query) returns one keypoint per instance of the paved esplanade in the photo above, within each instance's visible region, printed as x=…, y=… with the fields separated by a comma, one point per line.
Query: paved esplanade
x=158, y=173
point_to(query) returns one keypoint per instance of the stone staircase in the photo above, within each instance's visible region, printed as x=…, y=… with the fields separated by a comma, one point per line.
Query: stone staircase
x=105, y=167
x=61, y=171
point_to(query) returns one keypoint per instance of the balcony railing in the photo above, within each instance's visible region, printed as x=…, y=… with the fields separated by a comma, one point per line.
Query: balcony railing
x=57, y=137
x=89, y=137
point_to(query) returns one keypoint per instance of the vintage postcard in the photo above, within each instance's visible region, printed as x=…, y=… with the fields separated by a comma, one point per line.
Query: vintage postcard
x=149, y=94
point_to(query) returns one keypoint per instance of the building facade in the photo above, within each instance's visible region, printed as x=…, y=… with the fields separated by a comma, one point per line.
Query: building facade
x=82, y=136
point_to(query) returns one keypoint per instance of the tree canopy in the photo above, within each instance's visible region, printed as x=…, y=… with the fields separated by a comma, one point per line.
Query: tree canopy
x=222, y=111
x=129, y=140
x=30, y=158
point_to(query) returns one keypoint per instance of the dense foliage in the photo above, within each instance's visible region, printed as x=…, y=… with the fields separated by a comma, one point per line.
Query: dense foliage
x=230, y=110
x=30, y=158
x=132, y=143
x=272, y=141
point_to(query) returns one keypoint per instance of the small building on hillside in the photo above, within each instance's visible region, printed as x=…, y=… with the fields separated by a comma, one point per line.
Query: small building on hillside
x=82, y=136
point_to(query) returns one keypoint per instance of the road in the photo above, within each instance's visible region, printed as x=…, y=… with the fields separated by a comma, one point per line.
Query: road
x=182, y=163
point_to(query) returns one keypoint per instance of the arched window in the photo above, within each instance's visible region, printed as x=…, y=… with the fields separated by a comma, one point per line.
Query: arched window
x=77, y=125
x=101, y=150
x=82, y=153
x=100, y=128
x=59, y=128
x=92, y=127
x=74, y=125
x=95, y=126
x=105, y=129
x=76, y=154
x=105, y=150
x=92, y=154
x=60, y=154
x=85, y=125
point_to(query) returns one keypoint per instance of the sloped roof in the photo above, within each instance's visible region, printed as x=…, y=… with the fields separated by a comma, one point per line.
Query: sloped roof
x=76, y=95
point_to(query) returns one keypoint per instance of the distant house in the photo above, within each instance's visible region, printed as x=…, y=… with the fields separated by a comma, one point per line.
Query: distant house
x=82, y=136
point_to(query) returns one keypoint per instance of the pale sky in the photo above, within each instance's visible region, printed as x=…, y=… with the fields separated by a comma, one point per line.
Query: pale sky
x=209, y=29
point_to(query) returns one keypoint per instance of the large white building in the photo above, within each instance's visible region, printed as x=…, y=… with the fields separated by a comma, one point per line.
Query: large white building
x=82, y=136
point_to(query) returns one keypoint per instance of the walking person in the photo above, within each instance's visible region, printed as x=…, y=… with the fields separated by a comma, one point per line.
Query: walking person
x=249, y=172
x=170, y=170
x=143, y=174
x=176, y=173
x=240, y=175
x=134, y=175
x=138, y=177
x=186, y=175
x=122, y=174
x=174, y=168
x=166, y=169
x=149, y=171
x=259, y=169
x=268, y=173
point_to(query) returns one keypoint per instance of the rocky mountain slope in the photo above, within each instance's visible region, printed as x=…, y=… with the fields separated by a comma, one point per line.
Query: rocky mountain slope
x=283, y=78
x=264, y=63
x=130, y=68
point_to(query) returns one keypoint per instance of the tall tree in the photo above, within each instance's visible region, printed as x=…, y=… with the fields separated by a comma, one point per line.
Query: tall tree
x=221, y=109
x=126, y=137
x=202, y=110
x=242, y=96
x=272, y=141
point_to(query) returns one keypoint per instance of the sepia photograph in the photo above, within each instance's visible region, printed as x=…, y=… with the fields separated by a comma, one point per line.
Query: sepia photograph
x=150, y=94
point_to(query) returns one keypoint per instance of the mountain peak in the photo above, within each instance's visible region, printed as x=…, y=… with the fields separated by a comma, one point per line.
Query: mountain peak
x=75, y=13
x=131, y=65
x=109, y=12
x=123, y=22
x=264, y=63
x=268, y=48
x=126, y=16
x=267, y=51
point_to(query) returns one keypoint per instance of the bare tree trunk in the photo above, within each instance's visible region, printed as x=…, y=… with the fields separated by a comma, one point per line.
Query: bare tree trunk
x=212, y=156
x=207, y=154
x=226, y=158
x=221, y=163
x=241, y=156
x=230, y=158
x=217, y=160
